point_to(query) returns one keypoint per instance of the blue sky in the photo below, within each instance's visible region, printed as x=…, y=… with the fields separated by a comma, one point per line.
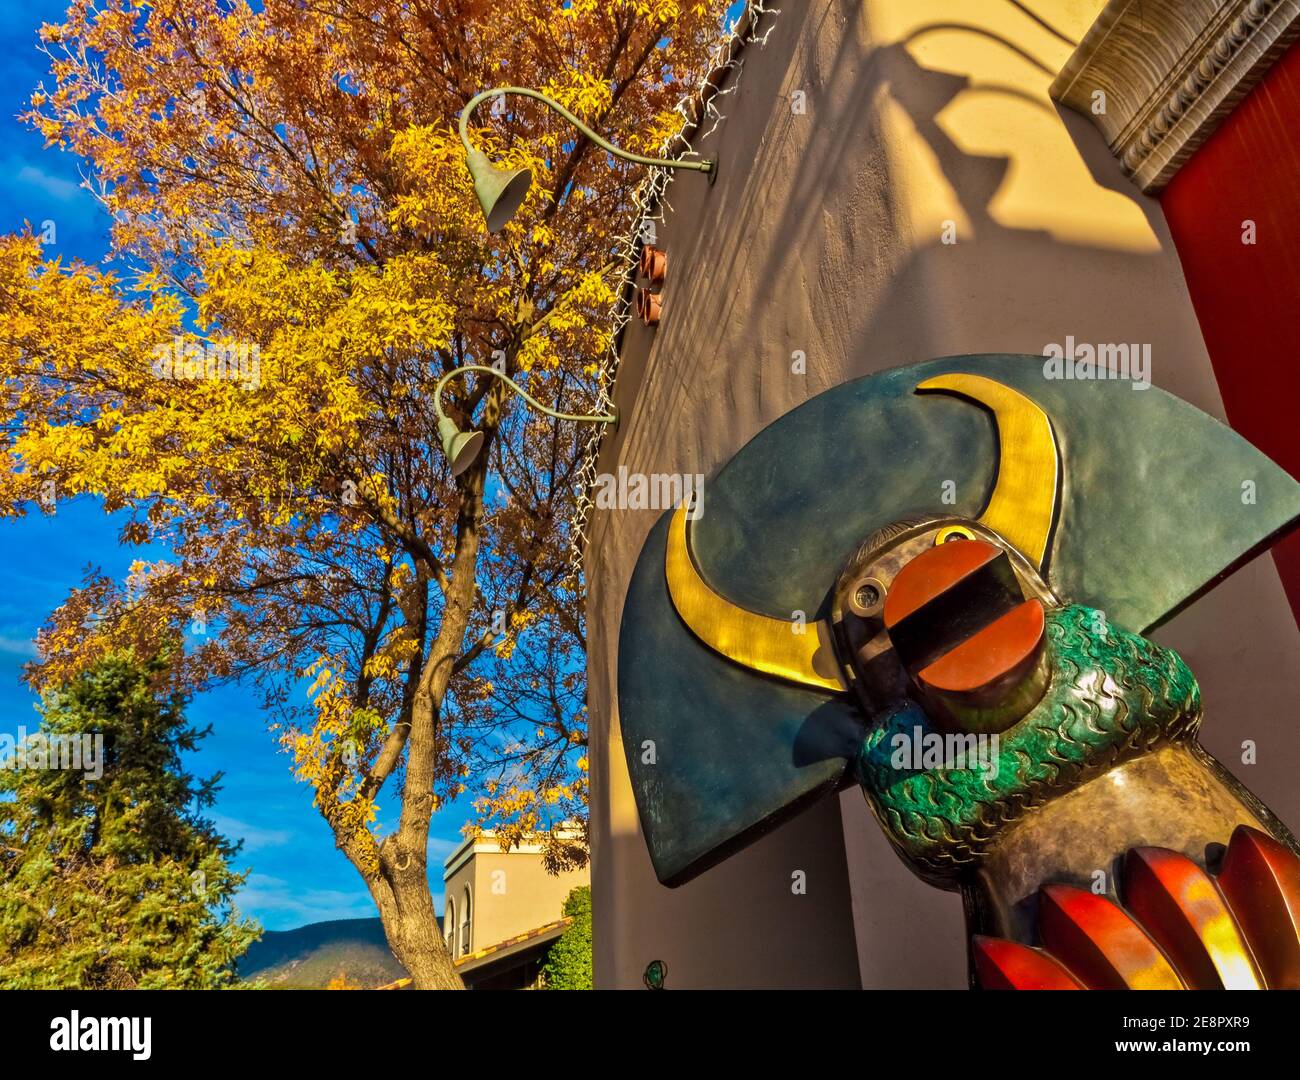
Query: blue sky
x=297, y=874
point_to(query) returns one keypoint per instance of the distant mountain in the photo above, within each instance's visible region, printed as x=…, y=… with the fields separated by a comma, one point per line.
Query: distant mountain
x=309, y=957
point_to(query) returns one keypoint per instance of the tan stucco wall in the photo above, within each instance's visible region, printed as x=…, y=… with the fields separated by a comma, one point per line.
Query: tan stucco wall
x=823, y=234
x=510, y=893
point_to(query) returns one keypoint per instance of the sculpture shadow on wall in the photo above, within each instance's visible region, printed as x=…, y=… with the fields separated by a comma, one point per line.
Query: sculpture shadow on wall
x=1021, y=215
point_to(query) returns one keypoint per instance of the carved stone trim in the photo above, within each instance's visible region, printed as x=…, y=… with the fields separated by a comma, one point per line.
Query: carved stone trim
x=1170, y=71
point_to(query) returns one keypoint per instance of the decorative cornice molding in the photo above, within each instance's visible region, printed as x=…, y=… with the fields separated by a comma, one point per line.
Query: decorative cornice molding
x=1168, y=71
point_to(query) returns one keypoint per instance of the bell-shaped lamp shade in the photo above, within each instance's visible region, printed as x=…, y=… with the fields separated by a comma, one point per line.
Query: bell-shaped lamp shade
x=460, y=447
x=500, y=191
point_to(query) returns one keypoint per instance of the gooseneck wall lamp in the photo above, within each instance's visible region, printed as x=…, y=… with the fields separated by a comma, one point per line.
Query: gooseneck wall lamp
x=501, y=191
x=462, y=447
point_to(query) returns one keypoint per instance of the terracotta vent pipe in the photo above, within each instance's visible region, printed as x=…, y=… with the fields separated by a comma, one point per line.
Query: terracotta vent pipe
x=647, y=306
x=654, y=264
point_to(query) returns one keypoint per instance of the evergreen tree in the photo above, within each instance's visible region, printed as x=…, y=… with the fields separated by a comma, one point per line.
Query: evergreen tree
x=110, y=877
x=568, y=963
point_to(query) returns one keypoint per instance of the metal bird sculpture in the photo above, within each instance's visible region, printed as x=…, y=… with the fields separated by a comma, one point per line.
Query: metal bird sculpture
x=935, y=581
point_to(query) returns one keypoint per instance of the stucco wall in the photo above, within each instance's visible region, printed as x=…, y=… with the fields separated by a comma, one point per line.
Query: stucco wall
x=510, y=894
x=824, y=234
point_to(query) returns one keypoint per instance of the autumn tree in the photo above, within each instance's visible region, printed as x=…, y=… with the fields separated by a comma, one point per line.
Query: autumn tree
x=297, y=258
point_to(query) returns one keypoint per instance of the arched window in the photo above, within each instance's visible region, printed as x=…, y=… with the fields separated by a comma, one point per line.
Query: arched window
x=449, y=925
x=466, y=923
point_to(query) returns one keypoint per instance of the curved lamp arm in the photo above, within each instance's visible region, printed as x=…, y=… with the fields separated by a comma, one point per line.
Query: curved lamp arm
x=501, y=191
x=462, y=447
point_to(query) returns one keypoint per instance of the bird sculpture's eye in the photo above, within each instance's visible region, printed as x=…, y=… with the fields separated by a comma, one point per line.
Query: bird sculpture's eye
x=868, y=597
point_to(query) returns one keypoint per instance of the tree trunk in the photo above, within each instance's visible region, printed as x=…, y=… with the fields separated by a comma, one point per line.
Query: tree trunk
x=401, y=888
x=410, y=923
x=405, y=905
